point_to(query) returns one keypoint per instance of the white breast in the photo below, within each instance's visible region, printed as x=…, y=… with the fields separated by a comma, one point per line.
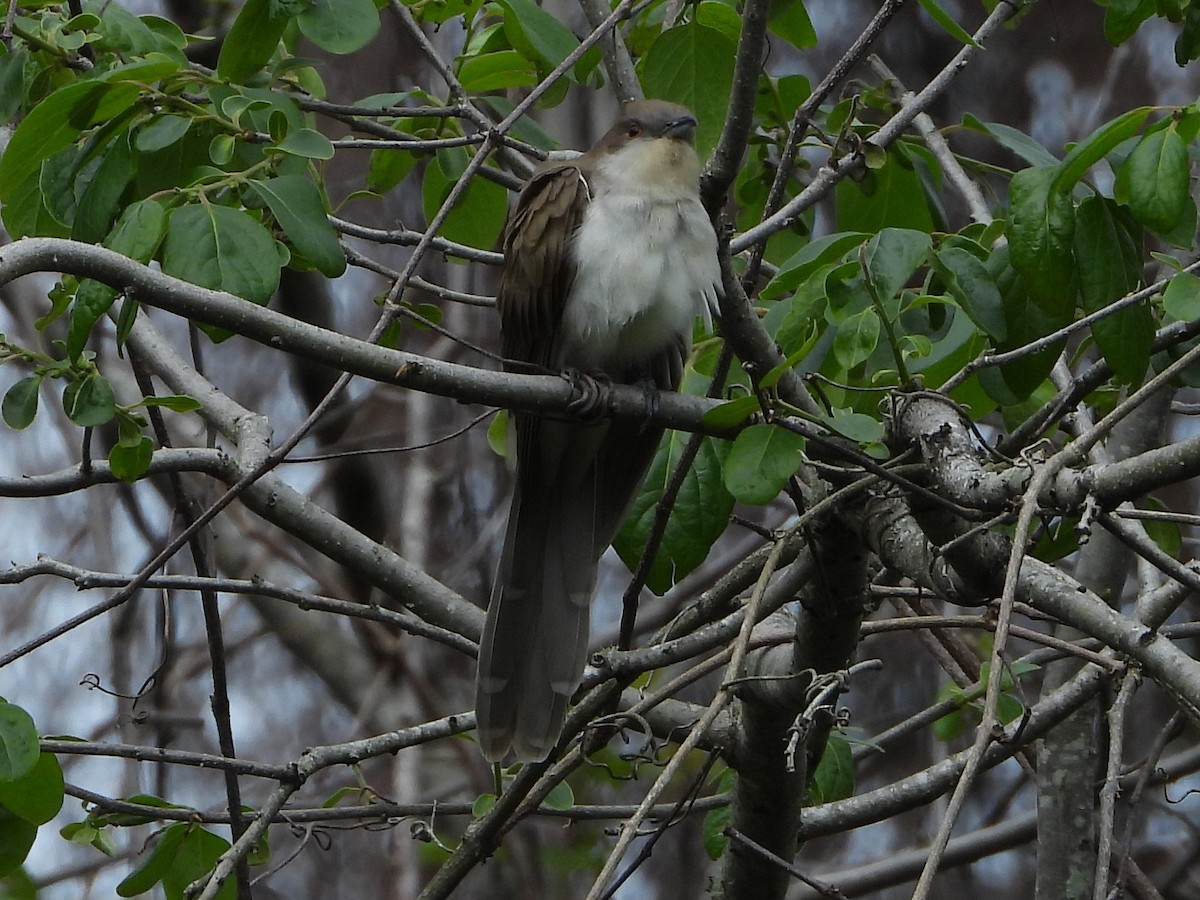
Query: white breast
x=646, y=266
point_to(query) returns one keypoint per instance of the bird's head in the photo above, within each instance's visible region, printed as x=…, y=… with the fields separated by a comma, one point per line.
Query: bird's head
x=652, y=143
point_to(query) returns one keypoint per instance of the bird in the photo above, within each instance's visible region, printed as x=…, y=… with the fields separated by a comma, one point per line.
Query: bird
x=609, y=259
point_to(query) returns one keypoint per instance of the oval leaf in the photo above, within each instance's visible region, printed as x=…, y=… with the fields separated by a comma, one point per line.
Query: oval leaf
x=296, y=204
x=38, y=795
x=698, y=518
x=760, y=463
x=18, y=743
x=16, y=840
x=89, y=401
x=1154, y=180
x=251, y=41
x=890, y=258
x=21, y=402
x=223, y=249
x=340, y=26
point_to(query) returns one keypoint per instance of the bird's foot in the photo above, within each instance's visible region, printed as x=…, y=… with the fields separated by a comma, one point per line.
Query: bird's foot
x=594, y=388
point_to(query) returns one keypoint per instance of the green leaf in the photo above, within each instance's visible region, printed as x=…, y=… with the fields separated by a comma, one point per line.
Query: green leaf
x=307, y=144
x=731, y=413
x=89, y=401
x=535, y=34
x=175, y=402
x=223, y=249
x=890, y=196
x=478, y=217
x=947, y=22
x=1110, y=266
x=1099, y=144
x=132, y=36
x=788, y=19
x=16, y=840
x=101, y=192
x=858, y=427
x=856, y=338
x=251, y=41
x=972, y=286
x=387, y=168
x=126, y=819
x=891, y=257
x=136, y=235
x=296, y=205
x=693, y=64
x=139, y=230
x=183, y=854
x=498, y=434
x=92, y=300
x=497, y=71
x=561, y=797
x=1026, y=320
x=153, y=67
x=38, y=795
x=12, y=82
x=1187, y=45
x=699, y=517
x=483, y=804
x=809, y=258
x=340, y=26
x=18, y=885
x=1165, y=534
x=715, y=820
x=21, y=402
x=1121, y=21
x=441, y=11
x=19, y=750
x=161, y=132
x=55, y=123
x=129, y=463
x=834, y=778
x=1154, y=180
x=154, y=866
x=197, y=854
x=760, y=463
x=82, y=833
x=1040, y=229
x=221, y=149
x=57, y=179
x=1181, y=299
x=721, y=16
x=1014, y=141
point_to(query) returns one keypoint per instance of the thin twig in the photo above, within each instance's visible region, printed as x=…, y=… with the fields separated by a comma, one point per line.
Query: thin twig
x=1117, y=715
x=891, y=130
x=630, y=828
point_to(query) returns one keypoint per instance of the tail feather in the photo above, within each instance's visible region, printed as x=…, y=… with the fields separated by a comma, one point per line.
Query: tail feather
x=535, y=639
x=575, y=484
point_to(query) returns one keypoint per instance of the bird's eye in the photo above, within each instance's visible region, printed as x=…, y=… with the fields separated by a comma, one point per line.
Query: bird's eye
x=634, y=130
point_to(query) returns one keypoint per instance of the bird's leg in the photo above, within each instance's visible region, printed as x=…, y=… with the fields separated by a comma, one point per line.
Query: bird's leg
x=653, y=400
x=595, y=390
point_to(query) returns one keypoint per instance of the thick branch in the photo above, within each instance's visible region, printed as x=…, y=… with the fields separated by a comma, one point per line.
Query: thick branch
x=535, y=393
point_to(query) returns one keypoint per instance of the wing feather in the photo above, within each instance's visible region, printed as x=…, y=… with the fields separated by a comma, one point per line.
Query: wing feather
x=538, y=271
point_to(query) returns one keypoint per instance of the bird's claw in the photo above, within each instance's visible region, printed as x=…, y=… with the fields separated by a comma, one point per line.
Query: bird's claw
x=594, y=389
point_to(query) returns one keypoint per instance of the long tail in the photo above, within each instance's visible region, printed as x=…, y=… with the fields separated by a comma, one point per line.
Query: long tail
x=535, y=639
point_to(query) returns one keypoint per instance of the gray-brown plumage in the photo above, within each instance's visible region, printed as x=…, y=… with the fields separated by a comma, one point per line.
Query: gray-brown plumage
x=608, y=260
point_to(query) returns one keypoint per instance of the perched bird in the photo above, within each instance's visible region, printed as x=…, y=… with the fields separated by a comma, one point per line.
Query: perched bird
x=609, y=258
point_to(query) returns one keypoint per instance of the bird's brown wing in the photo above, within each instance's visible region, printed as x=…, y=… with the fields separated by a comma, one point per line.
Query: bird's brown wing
x=538, y=271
